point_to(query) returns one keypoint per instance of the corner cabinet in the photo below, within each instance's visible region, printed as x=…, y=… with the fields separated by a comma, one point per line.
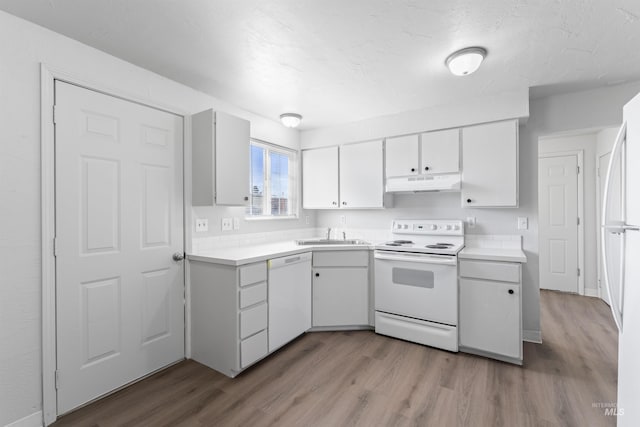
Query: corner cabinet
x=220, y=159
x=340, y=289
x=491, y=309
x=345, y=177
x=490, y=165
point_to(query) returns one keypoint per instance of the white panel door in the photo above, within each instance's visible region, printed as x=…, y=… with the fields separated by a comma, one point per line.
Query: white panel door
x=320, y=178
x=558, y=227
x=361, y=180
x=119, y=293
x=440, y=151
x=402, y=156
x=603, y=164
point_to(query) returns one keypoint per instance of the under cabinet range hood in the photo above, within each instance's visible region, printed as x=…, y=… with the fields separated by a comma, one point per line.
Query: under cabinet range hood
x=419, y=183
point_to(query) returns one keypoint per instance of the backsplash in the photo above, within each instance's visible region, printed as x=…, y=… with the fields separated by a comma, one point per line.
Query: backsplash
x=493, y=241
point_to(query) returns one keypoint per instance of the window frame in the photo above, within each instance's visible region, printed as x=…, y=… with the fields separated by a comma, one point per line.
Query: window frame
x=266, y=193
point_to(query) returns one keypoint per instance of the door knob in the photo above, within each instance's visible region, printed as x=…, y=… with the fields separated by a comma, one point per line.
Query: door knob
x=178, y=256
x=510, y=291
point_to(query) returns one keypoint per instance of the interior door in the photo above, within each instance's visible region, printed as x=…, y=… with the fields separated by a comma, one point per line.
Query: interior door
x=119, y=293
x=558, y=227
x=603, y=164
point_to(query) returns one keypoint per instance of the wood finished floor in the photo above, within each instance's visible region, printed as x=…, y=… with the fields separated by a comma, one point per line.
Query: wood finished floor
x=360, y=378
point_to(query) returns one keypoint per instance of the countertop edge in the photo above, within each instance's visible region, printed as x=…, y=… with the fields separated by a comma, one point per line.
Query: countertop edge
x=516, y=255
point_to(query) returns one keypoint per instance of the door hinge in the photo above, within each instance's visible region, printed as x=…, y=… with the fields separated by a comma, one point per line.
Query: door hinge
x=55, y=246
x=578, y=221
x=578, y=167
x=54, y=114
x=57, y=379
x=578, y=272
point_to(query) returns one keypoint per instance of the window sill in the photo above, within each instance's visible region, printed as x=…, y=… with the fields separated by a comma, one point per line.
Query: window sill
x=270, y=218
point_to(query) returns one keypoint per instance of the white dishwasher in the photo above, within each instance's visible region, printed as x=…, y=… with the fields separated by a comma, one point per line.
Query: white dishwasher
x=289, y=298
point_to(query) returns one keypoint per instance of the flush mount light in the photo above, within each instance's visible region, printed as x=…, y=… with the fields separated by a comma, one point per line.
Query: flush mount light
x=290, y=120
x=465, y=61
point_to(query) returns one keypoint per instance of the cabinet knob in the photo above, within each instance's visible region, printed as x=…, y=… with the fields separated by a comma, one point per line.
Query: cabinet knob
x=246, y=198
x=510, y=291
x=413, y=169
x=317, y=274
x=426, y=168
x=344, y=203
x=334, y=203
x=468, y=200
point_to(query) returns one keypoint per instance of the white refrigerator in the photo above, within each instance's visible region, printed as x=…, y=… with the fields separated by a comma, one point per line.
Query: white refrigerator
x=621, y=255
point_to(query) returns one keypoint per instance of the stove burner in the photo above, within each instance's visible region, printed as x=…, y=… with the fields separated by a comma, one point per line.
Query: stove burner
x=438, y=246
x=445, y=244
x=399, y=243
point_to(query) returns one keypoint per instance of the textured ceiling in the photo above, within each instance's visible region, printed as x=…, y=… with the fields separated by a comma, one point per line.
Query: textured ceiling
x=336, y=61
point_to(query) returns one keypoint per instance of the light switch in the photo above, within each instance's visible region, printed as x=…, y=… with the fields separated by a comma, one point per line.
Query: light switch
x=227, y=224
x=471, y=221
x=202, y=225
x=236, y=223
x=523, y=223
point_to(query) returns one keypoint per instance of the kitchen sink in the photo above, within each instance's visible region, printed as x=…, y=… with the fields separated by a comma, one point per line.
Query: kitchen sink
x=331, y=242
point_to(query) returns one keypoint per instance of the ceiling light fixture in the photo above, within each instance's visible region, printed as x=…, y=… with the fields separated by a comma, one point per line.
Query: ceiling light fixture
x=290, y=120
x=465, y=61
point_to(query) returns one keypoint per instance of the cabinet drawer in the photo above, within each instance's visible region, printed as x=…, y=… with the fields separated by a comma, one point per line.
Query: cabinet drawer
x=253, y=320
x=253, y=349
x=253, y=273
x=253, y=294
x=341, y=258
x=501, y=271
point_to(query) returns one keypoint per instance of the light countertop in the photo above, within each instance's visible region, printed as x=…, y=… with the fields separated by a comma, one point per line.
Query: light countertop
x=248, y=254
x=493, y=254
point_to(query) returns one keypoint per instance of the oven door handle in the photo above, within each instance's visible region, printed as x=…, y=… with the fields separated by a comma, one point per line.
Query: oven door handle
x=420, y=258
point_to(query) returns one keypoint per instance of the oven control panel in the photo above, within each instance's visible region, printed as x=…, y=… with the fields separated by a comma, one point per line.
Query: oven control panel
x=431, y=227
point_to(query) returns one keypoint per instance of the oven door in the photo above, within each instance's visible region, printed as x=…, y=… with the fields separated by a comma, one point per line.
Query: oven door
x=421, y=286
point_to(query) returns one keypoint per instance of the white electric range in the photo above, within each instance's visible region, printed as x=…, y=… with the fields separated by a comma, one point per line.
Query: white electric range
x=416, y=282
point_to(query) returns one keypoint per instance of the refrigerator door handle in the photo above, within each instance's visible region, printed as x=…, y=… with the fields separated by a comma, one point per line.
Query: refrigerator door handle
x=617, y=147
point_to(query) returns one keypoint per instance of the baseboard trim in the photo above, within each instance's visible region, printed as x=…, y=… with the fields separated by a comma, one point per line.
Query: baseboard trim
x=532, y=336
x=591, y=292
x=33, y=420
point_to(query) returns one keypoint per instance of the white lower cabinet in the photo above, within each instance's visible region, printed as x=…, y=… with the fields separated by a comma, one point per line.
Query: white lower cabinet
x=340, y=288
x=229, y=317
x=490, y=309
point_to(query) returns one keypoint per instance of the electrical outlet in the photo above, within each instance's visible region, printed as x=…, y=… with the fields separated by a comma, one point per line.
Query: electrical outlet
x=227, y=224
x=236, y=223
x=523, y=223
x=306, y=219
x=471, y=221
x=202, y=225
x=343, y=219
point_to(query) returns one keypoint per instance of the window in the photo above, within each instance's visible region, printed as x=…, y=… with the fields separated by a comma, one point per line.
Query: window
x=272, y=181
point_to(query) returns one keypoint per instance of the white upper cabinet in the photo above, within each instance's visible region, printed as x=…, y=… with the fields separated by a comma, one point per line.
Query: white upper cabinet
x=402, y=156
x=361, y=180
x=220, y=159
x=320, y=178
x=440, y=151
x=490, y=165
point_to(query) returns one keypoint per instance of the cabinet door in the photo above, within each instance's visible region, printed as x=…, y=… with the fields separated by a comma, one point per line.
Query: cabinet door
x=440, y=151
x=402, y=156
x=232, y=160
x=361, y=180
x=320, y=178
x=340, y=297
x=490, y=317
x=489, y=165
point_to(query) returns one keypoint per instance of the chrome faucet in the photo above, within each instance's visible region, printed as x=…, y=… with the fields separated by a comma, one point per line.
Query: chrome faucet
x=329, y=233
x=344, y=235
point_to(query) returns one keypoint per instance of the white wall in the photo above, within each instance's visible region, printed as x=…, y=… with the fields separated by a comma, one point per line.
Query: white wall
x=547, y=116
x=23, y=46
x=586, y=143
